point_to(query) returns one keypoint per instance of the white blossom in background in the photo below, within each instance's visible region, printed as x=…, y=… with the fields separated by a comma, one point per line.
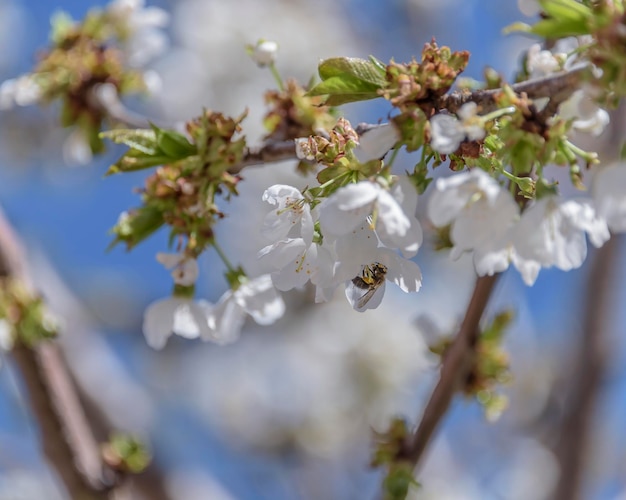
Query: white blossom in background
x=318, y=382
x=257, y=298
x=529, y=8
x=6, y=335
x=587, y=115
x=540, y=62
x=20, y=91
x=292, y=212
x=264, y=52
x=76, y=149
x=184, y=268
x=553, y=232
x=448, y=132
x=609, y=195
x=141, y=27
x=176, y=315
x=392, y=213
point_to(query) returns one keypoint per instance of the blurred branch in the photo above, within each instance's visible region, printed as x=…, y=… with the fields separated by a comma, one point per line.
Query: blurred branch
x=66, y=438
x=572, y=450
x=454, y=369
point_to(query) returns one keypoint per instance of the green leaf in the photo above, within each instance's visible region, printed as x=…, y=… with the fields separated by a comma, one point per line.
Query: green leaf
x=366, y=71
x=553, y=28
x=565, y=9
x=348, y=79
x=137, y=226
x=173, y=144
x=134, y=160
x=345, y=89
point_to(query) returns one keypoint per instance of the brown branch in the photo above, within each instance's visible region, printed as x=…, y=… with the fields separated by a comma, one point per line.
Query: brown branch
x=573, y=447
x=66, y=439
x=455, y=367
x=557, y=87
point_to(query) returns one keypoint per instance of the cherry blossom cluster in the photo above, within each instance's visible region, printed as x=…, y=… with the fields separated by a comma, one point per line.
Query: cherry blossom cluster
x=220, y=323
x=360, y=236
x=485, y=220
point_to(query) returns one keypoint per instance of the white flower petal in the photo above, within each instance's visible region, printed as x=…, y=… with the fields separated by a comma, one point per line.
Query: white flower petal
x=226, y=322
x=355, y=295
x=446, y=133
x=376, y=142
x=348, y=207
x=260, y=300
x=158, y=321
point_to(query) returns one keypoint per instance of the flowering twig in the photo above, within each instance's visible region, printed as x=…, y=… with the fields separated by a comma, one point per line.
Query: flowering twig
x=67, y=441
x=455, y=366
x=557, y=87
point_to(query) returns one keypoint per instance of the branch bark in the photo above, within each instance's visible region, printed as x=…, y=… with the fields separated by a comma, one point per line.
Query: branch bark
x=455, y=367
x=66, y=439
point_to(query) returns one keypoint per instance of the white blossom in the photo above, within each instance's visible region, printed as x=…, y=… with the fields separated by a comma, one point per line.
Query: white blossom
x=176, y=315
x=392, y=213
x=609, y=195
x=6, y=335
x=552, y=232
x=257, y=298
x=292, y=211
x=483, y=218
x=541, y=62
x=587, y=115
x=376, y=142
x=529, y=8
x=264, y=52
x=304, y=150
x=366, y=290
x=447, y=132
x=292, y=263
x=184, y=268
x=76, y=149
x=20, y=91
x=143, y=40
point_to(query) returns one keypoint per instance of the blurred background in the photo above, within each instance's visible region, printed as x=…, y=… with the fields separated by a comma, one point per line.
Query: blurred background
x=288, y=412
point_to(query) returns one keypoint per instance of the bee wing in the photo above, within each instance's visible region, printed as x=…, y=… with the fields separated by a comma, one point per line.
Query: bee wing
x=365, y=298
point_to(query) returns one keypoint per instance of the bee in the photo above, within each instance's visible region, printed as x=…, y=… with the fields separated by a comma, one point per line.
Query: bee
x=371, y=278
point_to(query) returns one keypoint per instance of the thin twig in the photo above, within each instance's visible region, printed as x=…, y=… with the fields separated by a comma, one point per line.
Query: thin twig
x=66, y=439
x=455, y=367
x=573, y=448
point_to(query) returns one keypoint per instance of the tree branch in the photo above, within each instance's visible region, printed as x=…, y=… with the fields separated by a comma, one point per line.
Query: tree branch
x=455, y=367
x=66, y=438
x=573, y=447
x=558, y=87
